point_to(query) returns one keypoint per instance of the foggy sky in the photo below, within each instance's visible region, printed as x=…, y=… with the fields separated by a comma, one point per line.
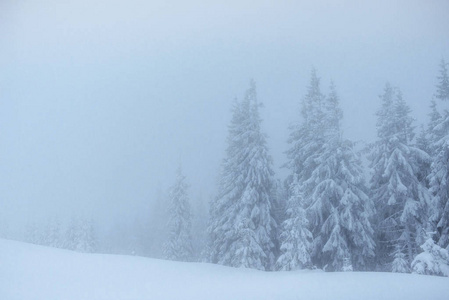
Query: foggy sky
x=100, y=102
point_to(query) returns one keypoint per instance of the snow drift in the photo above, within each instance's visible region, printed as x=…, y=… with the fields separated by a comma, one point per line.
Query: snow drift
x=42, y=273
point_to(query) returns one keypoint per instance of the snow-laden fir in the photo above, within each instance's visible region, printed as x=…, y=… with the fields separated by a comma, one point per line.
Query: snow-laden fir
x=179, y=243
x=242, y=226
x=439, y=176
x=327, y=184
x=399, y=196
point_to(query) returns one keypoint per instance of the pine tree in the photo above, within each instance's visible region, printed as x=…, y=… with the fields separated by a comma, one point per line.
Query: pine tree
x=328, y=173
x=4, y=229
x=398, y=194
x=433, y=135
x=423, y=144
x=80, y=235
x=443, y=82
x=86, y=236
x=400, y=263
x=32, y=233
x=439, y=176
x=279, y=209
x=52, y=235
x=242, y=227
x=295, y=237
x=339, y=209
x=179, y=244
x=434, y=260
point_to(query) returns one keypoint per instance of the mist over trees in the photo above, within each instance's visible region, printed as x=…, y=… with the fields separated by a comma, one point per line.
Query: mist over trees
x=341, y=208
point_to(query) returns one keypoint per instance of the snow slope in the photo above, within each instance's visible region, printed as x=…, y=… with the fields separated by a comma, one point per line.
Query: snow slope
x=41, y=273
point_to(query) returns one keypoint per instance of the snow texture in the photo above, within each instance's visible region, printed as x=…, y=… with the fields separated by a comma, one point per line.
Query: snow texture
x=41, y=273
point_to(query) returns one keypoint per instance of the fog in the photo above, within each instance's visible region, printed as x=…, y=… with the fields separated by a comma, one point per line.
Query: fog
x=100, y=102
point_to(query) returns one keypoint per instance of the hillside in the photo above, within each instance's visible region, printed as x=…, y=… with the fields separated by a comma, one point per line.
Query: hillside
x=41, y=273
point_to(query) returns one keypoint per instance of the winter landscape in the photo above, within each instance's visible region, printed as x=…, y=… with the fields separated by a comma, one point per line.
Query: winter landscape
x=165, y=150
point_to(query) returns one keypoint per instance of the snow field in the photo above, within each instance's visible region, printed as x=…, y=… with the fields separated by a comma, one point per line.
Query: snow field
x=42, y=273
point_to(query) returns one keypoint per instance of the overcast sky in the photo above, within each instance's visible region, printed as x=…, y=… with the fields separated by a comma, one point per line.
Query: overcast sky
x=101, y=100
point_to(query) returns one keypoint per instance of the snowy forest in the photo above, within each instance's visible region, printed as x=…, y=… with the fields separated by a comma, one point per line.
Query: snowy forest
x=383, y=206
x=225, y=150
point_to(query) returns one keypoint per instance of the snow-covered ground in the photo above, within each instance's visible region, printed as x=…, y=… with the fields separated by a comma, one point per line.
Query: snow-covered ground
x=41, y=273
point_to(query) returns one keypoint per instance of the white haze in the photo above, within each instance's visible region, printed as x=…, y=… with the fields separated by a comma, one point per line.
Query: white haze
x=100, y=102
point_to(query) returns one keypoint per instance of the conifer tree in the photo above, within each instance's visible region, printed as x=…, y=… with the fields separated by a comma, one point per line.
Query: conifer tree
x=433, y=135
x=242, y=227
x=328, y=173
x=443, y=83
x=80, y=235
x=439, y=176
x=179, y=244
x=434, y=260
x=398, y=194
x=339, y=209
x=295, y=237
x=423, y=143
x=86, y=236
x=32, y=233
x=52, y=235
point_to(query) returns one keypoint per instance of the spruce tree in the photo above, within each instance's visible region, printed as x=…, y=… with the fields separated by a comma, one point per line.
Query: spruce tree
x=339, y=208
x=433, y=134
x=439, y=176
x=443, y=83
x=328, y=173
x=52, y=235
x=33, y=233
x=242, y=226
x=295, y=237
x=434, y=260
x=400, y=197
x=179, y=243
x=80, y=235
x=86, y=236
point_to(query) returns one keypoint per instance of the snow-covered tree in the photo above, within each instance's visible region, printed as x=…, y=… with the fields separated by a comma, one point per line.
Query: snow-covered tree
x=4, y=228
x=400, y=263
x=339, y=208
x=295, y=237
x=87, y=236
x=199, y=227
x=179, y=243
x=398, y=194
x=279, y=212
x=433, y=135
x=52, y=234
x=329, y=175
x=242, y=227
x=80, y=235
x=434, y=260
x=443, y=82
x=439, y=176
x=32, y=233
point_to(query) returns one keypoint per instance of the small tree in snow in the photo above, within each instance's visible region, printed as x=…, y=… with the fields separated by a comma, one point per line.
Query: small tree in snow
x=434, y=260
x=295, y=238
x=443, y=82
x=80, y=235
x=52, y=234
x=179, y=244
x=400, y=263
